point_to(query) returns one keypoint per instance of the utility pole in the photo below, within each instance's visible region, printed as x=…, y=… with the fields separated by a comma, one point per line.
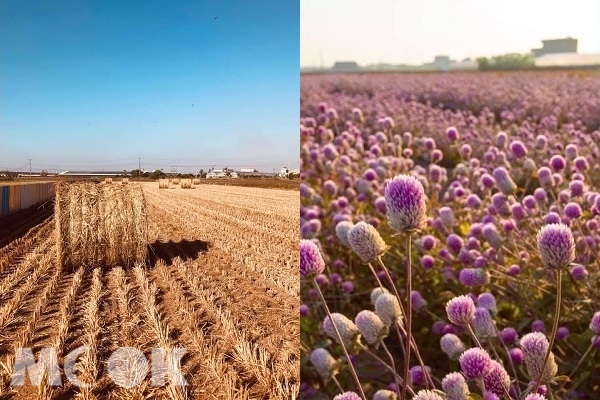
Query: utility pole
x=139, y=168
x=30, y=167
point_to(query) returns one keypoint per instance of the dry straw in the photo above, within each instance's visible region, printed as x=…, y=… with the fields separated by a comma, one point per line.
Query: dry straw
x=175, y=181
x=186, y=183
x=100, y=225
x=125, y=181
x=108, y=180
x=163, y=183
x=195, y=181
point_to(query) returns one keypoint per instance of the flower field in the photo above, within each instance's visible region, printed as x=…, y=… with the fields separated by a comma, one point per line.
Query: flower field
x=450, y=228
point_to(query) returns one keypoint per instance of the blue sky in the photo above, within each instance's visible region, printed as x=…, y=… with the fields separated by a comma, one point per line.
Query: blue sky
x=97, y=84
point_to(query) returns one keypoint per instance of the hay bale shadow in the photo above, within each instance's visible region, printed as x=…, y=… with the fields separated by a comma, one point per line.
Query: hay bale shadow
x=168, y=251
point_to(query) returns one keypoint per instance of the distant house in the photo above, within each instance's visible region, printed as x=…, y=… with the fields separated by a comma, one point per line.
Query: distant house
x=555, y=46
x=248, y=170
x=345, y=66
x=216, y=173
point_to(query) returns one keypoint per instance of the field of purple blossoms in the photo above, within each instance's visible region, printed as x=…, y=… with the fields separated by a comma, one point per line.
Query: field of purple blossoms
x=478, y=194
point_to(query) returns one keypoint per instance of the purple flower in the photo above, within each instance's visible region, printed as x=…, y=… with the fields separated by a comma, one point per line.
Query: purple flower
x=452, y=134
x=347, y=396
x=595, y=323
x=347, y=287
x=311, y=260
x=366, y=242
x=418, y=302
x=324, y=363
x=406, y=203
x=497, y=380
x=545, y=176
x=562, y=333
x=383, y=394
x=380, y=204
x=474, y=277
x=535, y=396
x=455, y=386
x=461, y=310
x=538, y=326
x=573, y=210
x=556, y=246
x=483, y=325
x=578, y=272
x=534, y=346
x=475, y=363
x=304, y=310
x=452, y=345
x=508, y=335
x=417, y=375
x=454, y=243
x=488, y=301
x=427, y=262
x=558, y=163
x=516, y=355
x=518, y=148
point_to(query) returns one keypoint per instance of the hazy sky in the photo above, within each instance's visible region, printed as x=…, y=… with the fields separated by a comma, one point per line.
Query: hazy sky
x=413, y=32
x=95, y=84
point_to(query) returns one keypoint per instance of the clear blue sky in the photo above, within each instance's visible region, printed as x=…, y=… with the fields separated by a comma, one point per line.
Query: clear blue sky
x=97, y=84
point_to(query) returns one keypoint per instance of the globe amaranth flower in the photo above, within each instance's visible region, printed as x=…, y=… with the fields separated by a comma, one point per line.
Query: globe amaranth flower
x=427, y=395
x=311, y=260
x=347, y=396
x=475, y=363
x=556, y=246
x=483, y=325
x=595, y=323
x=348, y=331
x=324, y=363
x=497, y=380
x=406, y=203
x=534, y=346
x=341, y=231
x=535, y=396
x=452, y=345
x=487, y=300
x=366, y=241
x=375, y=293
x=417, y=375
x=455, y=386
x=508, y=335
x=371, y=327
x=384, y=394
x=474, y=277
x=504, y=181
x=461, y=310
x=388, y=309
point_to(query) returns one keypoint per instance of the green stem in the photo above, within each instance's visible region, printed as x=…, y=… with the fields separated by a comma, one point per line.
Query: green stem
x=554, y=329
x=341, y=342
x=587, y=352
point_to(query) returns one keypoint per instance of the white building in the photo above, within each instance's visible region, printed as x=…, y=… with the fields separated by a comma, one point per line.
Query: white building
x=248, y=170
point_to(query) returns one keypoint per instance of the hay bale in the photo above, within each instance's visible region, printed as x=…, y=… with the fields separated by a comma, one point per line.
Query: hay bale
x=195, y=181
x=163, y=183
x=100, y=225
x=125, y=181
x=186, y=183
x=175, y=181
x=108, y=181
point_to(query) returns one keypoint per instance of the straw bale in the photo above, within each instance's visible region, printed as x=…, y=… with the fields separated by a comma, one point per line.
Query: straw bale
x=163, y=183
x=195, y=181
x=100, y=225
x=186, y=183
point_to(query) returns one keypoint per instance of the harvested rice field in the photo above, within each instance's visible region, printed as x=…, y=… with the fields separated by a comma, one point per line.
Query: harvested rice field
x=220, y=280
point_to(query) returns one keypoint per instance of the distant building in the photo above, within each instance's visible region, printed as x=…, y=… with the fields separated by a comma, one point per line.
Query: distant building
x=440, y=63
x=248, y=170
x=554, y=46
x=345, y=66
x=216, y=173
x=464, y=65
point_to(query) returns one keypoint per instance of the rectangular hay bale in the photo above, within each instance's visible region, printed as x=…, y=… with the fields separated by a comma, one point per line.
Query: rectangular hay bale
x=100, y=225
x=186, y=183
